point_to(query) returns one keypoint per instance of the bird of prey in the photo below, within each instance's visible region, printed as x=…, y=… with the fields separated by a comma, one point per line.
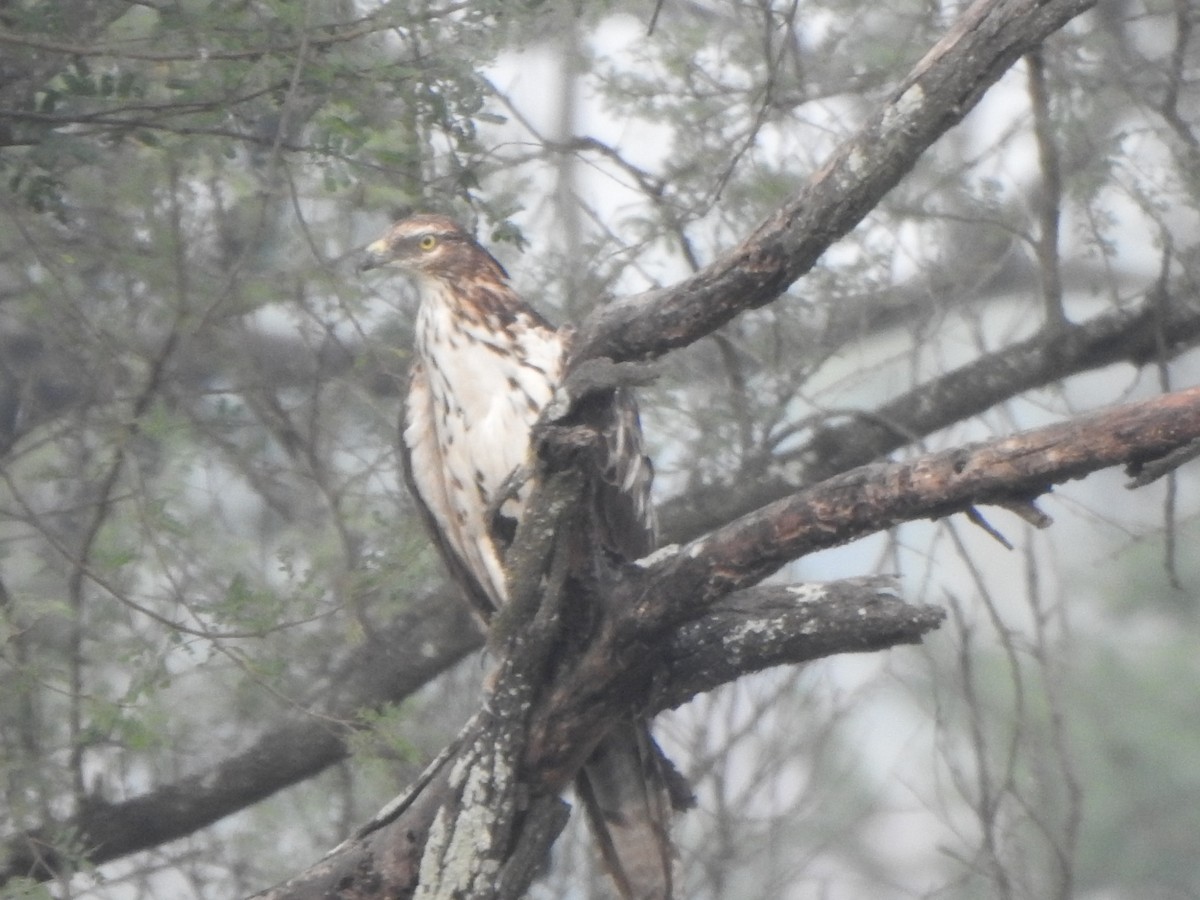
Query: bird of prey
x=485, y=365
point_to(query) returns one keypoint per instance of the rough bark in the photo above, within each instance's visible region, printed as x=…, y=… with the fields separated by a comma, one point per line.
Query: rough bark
x=683, y=602
x=754, y=629
x=1158, y=328
x=679, y=583
x=941, y=89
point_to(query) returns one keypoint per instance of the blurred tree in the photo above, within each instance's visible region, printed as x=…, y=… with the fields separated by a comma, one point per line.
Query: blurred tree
x=212, y=586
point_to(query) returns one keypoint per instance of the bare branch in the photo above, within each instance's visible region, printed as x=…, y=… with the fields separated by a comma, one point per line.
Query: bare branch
x=750, y=631
x=678, y=584
x=1133, y=335
x=784, y=625
x=1049, y=199
x=942, y=89
x=428, y=639
x=1012, y=469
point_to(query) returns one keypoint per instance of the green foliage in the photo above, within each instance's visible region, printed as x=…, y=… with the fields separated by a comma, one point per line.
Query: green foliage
x=25, y=889
x=385, y=734
x=1143, y=806
x=201, y=515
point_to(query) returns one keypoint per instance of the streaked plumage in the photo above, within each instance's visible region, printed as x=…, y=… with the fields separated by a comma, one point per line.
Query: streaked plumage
x=485, y=366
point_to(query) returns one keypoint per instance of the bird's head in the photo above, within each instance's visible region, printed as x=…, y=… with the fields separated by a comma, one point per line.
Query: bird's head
x=433, y=246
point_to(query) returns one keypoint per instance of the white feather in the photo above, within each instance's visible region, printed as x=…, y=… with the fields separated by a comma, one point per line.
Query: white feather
x=467, y=428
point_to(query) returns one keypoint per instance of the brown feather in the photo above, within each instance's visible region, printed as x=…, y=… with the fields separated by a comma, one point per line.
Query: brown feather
x=486, y=366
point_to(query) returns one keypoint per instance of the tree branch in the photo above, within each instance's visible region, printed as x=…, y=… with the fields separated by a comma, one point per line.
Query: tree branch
x=437, y=632
x=1134, y=336
x=775, y=625
x=673, y=602
x=1013, y=469
x=678, y=584
x=941, y=89
x=749, y=631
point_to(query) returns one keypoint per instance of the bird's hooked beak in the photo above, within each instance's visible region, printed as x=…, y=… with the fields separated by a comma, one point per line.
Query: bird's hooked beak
x=376, y=255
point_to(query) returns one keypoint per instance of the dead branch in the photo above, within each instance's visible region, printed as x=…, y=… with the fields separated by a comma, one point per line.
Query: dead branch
x=1133, y=335
x=941, y=89
x=1014, y=469
x=750, y=631
x=659, y=594
x=671, y=633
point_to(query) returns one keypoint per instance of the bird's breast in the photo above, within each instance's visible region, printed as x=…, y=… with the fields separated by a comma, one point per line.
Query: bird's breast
x=490, y=381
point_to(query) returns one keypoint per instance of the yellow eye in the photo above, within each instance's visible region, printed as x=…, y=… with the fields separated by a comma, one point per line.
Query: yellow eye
x=428, y=242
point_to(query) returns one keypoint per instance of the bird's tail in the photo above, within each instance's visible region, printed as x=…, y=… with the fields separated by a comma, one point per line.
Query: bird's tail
x=630, y=789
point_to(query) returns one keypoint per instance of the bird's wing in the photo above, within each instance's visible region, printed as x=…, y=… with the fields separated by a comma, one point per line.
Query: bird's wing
x=424, y=471
x=628, y=788
x=623, y=505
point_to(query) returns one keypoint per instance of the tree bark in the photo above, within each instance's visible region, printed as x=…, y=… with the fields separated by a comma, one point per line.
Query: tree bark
x=1157, y=329
x=697, y=608
x=752, y=630
x=942, y=88
x=937, y=94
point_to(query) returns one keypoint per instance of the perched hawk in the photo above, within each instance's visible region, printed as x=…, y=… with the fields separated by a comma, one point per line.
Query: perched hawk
x=485, y=366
